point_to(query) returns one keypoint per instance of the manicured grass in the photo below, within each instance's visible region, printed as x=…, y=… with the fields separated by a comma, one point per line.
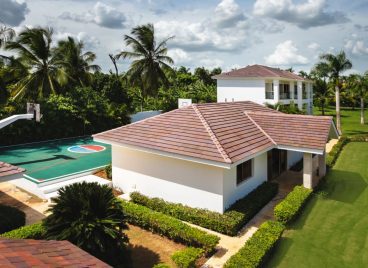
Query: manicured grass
x=332, y=231
x=350, y=120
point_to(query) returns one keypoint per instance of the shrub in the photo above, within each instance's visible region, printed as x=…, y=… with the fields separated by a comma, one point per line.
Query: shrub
x=11, y=218
x=108, y=171
x=187, y=258
x=336, y=150
x=170, y=227
x=256, y=250
x=289, y=208
x=161, y=265
x=228, y=223
x=33, y=231
x=89, y=216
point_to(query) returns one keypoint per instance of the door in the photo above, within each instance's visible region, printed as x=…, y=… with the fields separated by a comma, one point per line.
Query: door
x=276, y=163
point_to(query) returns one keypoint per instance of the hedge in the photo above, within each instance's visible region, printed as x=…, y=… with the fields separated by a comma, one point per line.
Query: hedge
x=33, y=231
x=228, y=223
x=11, y=218
x=257, y=249
x=290, y=207
x=187, y=257
x=336, y=150
x=170, y=227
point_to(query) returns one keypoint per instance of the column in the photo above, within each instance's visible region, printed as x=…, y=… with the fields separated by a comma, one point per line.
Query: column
x=291, y=86
x=300, y=95
x=276, y=90
x=322, y=165
x=311, y=97
x=308, y=171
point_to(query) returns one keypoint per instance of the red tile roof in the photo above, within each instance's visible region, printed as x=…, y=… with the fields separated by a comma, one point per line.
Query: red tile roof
x=42, y=253
x=259, y=71
x=223, y=132
x=8, y=169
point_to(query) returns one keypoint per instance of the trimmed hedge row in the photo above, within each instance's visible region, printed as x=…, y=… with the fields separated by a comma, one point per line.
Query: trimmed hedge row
x=33, y=231
x=11, y=218
x=257, y=249
x=290, y=207
x=336, y=150
x=228, y=223
x=168, y=226
x=187, y=257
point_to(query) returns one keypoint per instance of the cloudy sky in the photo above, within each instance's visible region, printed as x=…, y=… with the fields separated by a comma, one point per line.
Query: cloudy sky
x=209, y=33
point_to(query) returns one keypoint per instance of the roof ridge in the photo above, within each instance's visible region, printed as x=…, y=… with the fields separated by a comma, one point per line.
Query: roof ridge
x=290, y=115
x=211, y=134
x=259, y=127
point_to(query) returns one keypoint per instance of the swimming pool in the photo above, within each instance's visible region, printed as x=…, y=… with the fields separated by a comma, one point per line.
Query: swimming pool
x=51, y=160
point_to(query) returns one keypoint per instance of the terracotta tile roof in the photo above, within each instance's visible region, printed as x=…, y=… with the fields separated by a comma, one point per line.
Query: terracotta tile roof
x=222, y=132
x=259, y=71
x=8, y=169
x=42, y=253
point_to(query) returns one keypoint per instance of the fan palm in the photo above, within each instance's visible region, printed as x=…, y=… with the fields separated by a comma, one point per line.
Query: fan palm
x=336, y=65
x=150, y=60
x=76, y=63
x=89, y=216
x=33, y=47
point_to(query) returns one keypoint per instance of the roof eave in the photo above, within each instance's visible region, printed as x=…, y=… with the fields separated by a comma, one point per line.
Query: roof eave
x=218, y=77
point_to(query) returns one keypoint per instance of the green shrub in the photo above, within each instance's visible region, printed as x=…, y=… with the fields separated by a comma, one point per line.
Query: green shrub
x=168, y=226
x=336, y=150
x=33, y=231
x=289, y=208
x=228, y=223
x=108, y=171
x=257, y=249
x=11, y=218
x=187, y=258
x=161, y=265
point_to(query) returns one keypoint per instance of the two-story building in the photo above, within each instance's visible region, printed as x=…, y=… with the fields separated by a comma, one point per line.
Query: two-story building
x=262, y=84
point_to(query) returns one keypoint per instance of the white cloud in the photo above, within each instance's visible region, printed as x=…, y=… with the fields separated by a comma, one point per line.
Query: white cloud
x=211, y=63
x=179, y=56
x=314, y=46
x=228, y=14
x=286, y=53
x=101, y=14
x=13, y=12
x=307, y=14
x=90, y=42
x=356, y=47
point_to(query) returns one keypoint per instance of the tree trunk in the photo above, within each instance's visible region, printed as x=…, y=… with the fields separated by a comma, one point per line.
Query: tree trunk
x=323, y=107
x=338, y=119
x=362, y=110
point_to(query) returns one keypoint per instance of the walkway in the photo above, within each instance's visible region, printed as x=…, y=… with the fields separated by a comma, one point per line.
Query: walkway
x=229, y=245
x=331, y=144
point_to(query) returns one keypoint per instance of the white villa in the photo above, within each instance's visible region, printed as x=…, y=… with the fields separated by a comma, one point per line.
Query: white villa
x=262, y=84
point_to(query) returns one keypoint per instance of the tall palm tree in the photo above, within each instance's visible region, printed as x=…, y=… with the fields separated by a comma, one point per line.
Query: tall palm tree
x=150, y=60
x=359, y=85
x=77, y=64
x=33, y=47
x=336, y=65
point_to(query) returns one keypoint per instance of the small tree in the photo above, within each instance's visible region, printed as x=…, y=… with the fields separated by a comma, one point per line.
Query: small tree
x=358, y=84
x=89, y=216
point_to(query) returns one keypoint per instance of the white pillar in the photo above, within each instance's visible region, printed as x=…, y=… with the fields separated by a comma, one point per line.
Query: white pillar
x=276, y=90
x=322, y=165
x=300, y=95
x=311, y=97
x=308, y=171
x=291, y=86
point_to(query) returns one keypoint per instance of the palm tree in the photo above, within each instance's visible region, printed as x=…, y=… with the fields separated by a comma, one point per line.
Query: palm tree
x=336, y=65
x=76, y=63
x=320, y=74
x=359, y=85
x=150, y=60
x=6, y=34
x=33, y=47
x=89, y=216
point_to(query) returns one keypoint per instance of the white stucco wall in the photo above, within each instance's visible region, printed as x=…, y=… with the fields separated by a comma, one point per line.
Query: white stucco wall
x=293, y=157
x=241, y=90
x=179, y=181
x=233, y=192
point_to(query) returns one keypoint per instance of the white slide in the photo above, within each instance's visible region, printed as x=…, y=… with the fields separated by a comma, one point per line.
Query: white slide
x=13, y=118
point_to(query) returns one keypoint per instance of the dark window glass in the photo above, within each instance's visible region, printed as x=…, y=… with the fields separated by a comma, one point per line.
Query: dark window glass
x=243, y=171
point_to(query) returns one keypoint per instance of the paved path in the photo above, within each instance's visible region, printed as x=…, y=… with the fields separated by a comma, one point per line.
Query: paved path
x=331, y=144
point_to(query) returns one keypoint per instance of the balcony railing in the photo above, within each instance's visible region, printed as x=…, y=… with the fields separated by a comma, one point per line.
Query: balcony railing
x=285, y=96
x=269, y=95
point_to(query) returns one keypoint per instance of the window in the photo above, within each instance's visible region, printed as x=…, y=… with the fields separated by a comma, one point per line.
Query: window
x=304, y=90
x=243, y=171
x=295, y=91
x=284, y=91
x=269, y=91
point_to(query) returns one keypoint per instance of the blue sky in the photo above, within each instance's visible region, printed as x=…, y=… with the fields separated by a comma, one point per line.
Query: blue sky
x=223, y=33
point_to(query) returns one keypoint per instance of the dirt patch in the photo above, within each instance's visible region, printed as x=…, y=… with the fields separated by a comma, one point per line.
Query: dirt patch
x=102, y=174
x=149, y=249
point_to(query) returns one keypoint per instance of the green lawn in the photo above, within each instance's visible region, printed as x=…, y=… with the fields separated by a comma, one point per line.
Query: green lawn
x=333, y=228
x=350, y=120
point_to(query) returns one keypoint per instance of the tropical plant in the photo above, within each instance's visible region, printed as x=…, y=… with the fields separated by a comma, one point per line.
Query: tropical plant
x=150, y=61
x=89, y=216
x=33, y=47
x=320, y=74
x=359, y=86
x=336, y=65
x=77, y=64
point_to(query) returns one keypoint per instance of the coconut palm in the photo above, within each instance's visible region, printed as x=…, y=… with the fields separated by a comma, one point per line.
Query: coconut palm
x=77, y=64
x=89, y=216
x=33, y=47
x=336, y=65
x=358, y=84
x=150, y=60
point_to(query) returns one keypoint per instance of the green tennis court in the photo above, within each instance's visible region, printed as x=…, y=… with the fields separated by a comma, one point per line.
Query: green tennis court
x=50, y=160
